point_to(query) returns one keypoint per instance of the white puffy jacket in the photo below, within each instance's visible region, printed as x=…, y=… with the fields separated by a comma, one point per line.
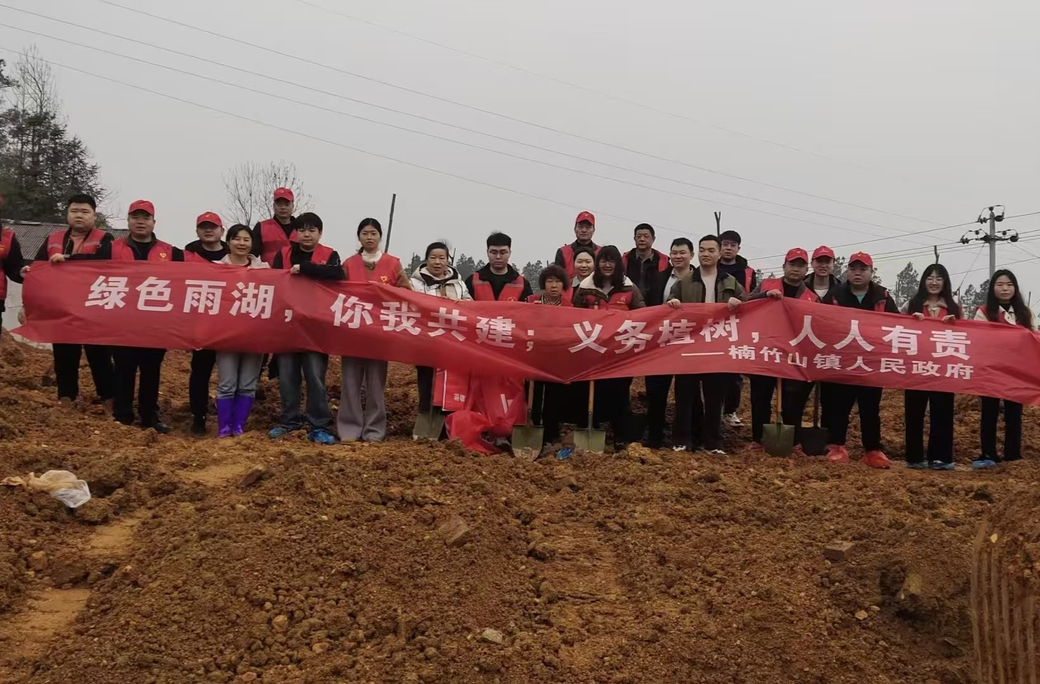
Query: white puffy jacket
x=449, y=287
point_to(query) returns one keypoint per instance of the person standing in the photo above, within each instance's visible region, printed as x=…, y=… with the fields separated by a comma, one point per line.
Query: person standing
x=274, y=234
x=644, y=264
x=353, y=422
x=703, y=285
x=731, y=263
x=11, y=262
x=584, y=265
x=436, y=278
x=306, y=257
x=859, y=292
x=209, y=246
x=934, y=299
x=609, y=288
x=1004, y=304
x=822, y=280
x=141, y=245
x=82, y=240
x=794, y=392
x=498, y=281
x=552, y=282
x=658, y=386
x=238, y=373
x=584, y=229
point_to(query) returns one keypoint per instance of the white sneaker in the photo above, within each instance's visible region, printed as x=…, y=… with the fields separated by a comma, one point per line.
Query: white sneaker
x=717, y=452
x=732, y=420
x=679, y=448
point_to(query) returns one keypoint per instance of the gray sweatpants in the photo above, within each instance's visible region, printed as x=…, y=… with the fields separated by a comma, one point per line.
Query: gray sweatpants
x=353, y=422
x=237, y=374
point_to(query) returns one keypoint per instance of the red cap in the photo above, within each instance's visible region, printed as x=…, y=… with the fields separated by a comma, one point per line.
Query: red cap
x=863, y=258
x=209, y=217
x=285, y=194
x=142, y=205
x=796, y=253
x=823, y=251
x=585, y=216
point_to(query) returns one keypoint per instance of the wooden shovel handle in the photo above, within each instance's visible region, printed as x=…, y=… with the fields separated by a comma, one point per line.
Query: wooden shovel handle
x=592, y=394
x=779, y=401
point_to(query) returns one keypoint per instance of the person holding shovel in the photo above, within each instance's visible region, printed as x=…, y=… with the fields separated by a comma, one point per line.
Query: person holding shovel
x=795, y=392
x=609, y=288
x=435, y=277
x=934, y=299
x=859, y=292
x=704, y=285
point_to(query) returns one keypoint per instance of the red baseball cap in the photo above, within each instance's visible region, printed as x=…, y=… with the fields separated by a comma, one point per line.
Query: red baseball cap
x=863, y=258
x=796, y=253
x=209, y=217
x=142, y=205
x=822, y=251
x=285, y=194
x=585, y=216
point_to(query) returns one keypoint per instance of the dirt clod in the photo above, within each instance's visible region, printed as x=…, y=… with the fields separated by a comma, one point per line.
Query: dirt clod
x=455, y=532
x=838, y=551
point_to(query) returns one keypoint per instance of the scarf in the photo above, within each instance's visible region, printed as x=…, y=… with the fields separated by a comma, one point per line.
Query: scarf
x=545, y=300
x=371, y=259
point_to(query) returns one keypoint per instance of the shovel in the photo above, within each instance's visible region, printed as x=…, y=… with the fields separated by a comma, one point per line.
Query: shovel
x=816, y=438
x=429, y=425
x=777, y=438
x=528, y=436
x=589, y=439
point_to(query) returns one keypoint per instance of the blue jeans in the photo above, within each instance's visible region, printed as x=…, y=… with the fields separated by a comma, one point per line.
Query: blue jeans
x=310, y=367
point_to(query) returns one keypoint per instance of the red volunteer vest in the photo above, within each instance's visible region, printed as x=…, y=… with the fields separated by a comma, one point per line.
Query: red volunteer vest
x=568, y=259
x=662, y=261
x=777, y=285
x=1001, y=315
x=387, y=270
x=537, y=299
x=320, y=255
x=880, y=305
x=160, y=251
x=616, y=301
x=89, y=245
x=749, y=274
x=482, y=291
x=273, y=238
x=942, y=313
x=6, y=242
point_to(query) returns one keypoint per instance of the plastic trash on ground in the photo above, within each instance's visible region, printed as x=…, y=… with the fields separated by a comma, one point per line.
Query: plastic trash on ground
x=61, y=484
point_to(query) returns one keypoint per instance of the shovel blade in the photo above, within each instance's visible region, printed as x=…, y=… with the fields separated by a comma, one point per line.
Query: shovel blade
x=428, y=426
x=778, y=439
x=527, y=437
x=815, y=440
x=594, y=441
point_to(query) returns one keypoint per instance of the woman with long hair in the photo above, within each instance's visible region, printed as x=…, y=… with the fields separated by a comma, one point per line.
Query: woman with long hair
x=934, y=299
x=435, y=277
x=1004, y=304
x=609, y=288
x=370, y=264
x=238, y=373
x=584, y=264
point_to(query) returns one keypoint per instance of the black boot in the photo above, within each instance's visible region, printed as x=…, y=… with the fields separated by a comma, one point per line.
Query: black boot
x=198, y=426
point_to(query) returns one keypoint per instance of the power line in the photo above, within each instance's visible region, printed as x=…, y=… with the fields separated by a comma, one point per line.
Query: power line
x=269, y=50
x=309, y=136
x=618, y=98
x=462, y=143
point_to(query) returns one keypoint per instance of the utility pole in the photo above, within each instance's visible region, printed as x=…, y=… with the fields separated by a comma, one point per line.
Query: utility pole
x=390, y=223
x=718, y=223
x=992, y=236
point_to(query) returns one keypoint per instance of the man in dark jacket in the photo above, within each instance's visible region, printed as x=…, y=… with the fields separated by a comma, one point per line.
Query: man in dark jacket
x=859, y=292
x=498, y=281
x=211, y=247
x=735, y=265
x=584, y=229
x=822, y=280
x=704, y=285
x=795, y=392
x=644, y=264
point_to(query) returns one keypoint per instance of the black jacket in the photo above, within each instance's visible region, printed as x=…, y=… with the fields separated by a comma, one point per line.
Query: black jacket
x=498, y=282
x=258, y=237
x=330, y=270
x=828, y=297
x=738, y=270
x=657, y=294
x=645, y=274
x=12, y=263
x=875, y=296
x=206, y=254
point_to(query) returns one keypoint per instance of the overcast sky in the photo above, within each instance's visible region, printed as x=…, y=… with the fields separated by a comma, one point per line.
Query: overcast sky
x=926, y=109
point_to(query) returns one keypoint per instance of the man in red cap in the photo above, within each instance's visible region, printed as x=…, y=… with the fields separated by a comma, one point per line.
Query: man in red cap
x=584, y=229
x=859, y=292
x=278, y=232
x=210, y=247
x=822, y=280
x=141, y=245
x=795, y=392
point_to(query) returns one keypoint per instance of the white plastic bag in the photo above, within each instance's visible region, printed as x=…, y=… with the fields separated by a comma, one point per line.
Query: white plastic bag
x=61, y=484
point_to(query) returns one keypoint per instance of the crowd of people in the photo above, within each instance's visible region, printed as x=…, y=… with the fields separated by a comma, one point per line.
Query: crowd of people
x=584, y=275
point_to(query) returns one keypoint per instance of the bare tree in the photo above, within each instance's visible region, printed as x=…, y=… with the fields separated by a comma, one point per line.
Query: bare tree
x=250, y=187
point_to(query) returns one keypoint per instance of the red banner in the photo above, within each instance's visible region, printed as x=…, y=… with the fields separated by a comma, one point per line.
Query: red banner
x=194, y=306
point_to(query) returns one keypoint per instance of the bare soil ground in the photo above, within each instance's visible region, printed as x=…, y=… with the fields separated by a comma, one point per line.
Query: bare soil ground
x=251, y=560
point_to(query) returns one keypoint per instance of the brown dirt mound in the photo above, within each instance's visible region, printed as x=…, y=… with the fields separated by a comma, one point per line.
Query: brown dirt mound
x=411, y=561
